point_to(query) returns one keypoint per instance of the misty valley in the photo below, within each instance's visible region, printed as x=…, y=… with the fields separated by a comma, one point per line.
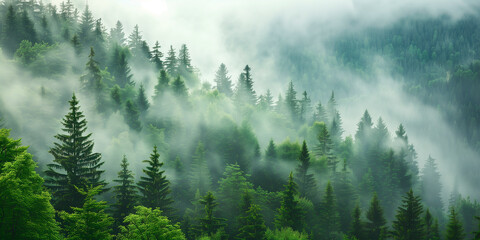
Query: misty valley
x=213, y=120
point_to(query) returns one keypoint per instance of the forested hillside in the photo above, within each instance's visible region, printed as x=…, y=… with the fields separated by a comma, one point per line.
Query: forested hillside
x=127, y=140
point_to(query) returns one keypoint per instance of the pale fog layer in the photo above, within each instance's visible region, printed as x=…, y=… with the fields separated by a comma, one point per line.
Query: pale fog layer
x=247, y=32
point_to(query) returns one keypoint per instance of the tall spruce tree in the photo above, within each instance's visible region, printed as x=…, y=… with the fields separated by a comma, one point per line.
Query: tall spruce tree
x=179, y=88
x=254, y=227
x=157, y=56
x=75, y=165
x=210, y=224
x=454, y=227
x=408, y=223
x=290, y=214
x=125, y=193
x=184, y=61
x=154, y=187
x=171, y=62
x=132, y=116
x=431, y=227
x=199, y=175
x=291, y=102
x=223, y=81
x=162, y=84
x=117, y=35
x=85, y=33
x=324, y=148
x=357, y=228
x=375, y=226
x=305, y=181
x=142, y=101
x=431, y=187
x=329, y=218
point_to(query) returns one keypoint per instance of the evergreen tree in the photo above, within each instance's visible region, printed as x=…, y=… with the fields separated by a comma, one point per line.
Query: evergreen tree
x=290, y=214
x=265, y=102
x=179, y=88
x=11, y=34
x=408, y=223
x=224, y=84
x=85, y=33
x=305, y=181
x=75, y=166
x=184, y=61
x=252, y=99
x=27, y=28
x=254, y=227
x=162, y=84
x=115, y=95
x=431, y=187
x=320, y=115
x=90, y=221
x=431, y=227
x=345, y=194
x=132, y=115
x=92, y=81
x=375, y=225
x=135, y=42
x=209, y=224
x=77, y=46
x=154, y=187
x=125, y=193
x=325, y=148
x=122, y=70
x=117, y=35
x=305, y=107
x=157, y=57
x=142, y=101
x=454, y=227
x=477, y=233
x=357, y=227
x=99, y=42
x=25, y=204
x=329, y=218
x=200, y=176
x=171, y=62
x=291, y=102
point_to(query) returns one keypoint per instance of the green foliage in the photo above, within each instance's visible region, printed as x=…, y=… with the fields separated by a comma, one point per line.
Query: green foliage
x=171, y=62
x=125, y=193
x=329, y=218
x=157, y=56
x=146, y=223
x=75, y=166
x=223, y=81
x=375, y=225
x=408, y=222
x=431, y=227
x=305, y=181
x=132, y=116
x=142, y=101
x=285, y=234
x=454, y=228
x=90, y=221
x=26, y=209
x=209, y=224
x=357, y=229
x=290, y=215
x=200, y=178
x=325, y=146
x=179, y=88
x=154, y=187
x=254, y=227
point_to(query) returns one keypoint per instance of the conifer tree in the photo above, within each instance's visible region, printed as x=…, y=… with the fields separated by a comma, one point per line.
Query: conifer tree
x=154, y=187
x=184, y=61
x=135, y=42
x=324, y=148
x=24, y=203
x=27, y=28
x=431, y=227
x=252, y=99
x=85, y=33
x=75, y=165
x=477, y=233
x=431, y=187
x=125, y=193
x=345, y=194
x=375, y=225
x=455, y=229
x=244, y=92
x=357, y=226
x=142, y=101
x=223, y=81
x=179, y=88
x=320, y=114
x=115, y=95
x=132, y=116
x=200, y=176
x=122, y=70
x=157, y=56
x=11, y=34
x=92, y=81
x=305, y=181
x=89, y=221
x=171, y=62
x=408, y=222
x=210, y=224
x=99, y=42
x=77, y=46
x=305, y=107
x=162, y=84
x=329, y=218
x=291, y=101
x=290, y=214
x=117, y=35
x=254, y=227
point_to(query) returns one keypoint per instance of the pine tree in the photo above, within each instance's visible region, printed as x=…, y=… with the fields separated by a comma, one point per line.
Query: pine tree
x=11, y=34
x=477, y=233
x=154, y=187
x=324, y=148
x=408, y=222
x=125, y=193
x=117, y=35
x=89, y=221
x=254, y=227
x=223, y=81
x=179, y=88
x=431, y=187
x=291, y=102
x=329, y=218
x=320, y=115
x=375, y=225
x=357, y=226
x=135, y=42
x=115, y=95
x=184, y=61
x=25, y=204
x=132, y=116
x=162, y=84
x=122, y=70
x=345, y=193
x=290, y=214
x=305, y=181
x=209, y=224
x=142, y=101
x=305, y=107
x=200, y=176
x=77, y=46
x=454, y=227
x=85, y=33
x=157, y=57
x=92, y=81
x=171, y=62
x=252, y=99
x=75, y=166
x=27, y=28
x=431, y=227
x=99, y=42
